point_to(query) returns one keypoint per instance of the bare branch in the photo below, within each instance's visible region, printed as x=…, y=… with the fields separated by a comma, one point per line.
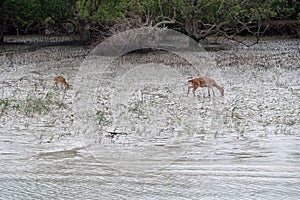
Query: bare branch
x=164, y=22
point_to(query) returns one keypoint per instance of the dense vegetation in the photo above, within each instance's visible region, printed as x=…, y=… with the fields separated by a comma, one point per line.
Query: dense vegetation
x=100, y=18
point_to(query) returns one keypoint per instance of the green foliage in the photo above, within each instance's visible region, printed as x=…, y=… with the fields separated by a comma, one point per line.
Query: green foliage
x=3, y=105
x=56, y=9
x=281, y=9
x=115, y=10
x=28, y=11
x=110, y=10
x=83, y=7
x=20, y=10
x=232, y=12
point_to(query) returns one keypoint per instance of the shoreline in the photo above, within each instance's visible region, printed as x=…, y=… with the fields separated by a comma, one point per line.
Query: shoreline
x=75, y=40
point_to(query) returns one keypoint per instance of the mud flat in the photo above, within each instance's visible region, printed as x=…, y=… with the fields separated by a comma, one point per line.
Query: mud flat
x=152, y=140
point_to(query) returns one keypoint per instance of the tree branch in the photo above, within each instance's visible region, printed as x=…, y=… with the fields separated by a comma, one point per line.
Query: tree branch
x=164, y=22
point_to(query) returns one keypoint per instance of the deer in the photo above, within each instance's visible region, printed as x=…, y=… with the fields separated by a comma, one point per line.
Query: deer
x=61, y=80
x=204, y=82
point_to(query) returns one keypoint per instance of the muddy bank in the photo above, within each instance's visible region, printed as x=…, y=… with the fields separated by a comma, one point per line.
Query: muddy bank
x=26, y=68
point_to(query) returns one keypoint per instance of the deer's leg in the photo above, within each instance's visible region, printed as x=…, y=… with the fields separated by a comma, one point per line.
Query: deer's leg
x=195, y=87
x=189, y=87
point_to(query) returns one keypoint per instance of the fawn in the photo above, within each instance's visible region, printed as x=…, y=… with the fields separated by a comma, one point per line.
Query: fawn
x=204, y=82
x=61, y=80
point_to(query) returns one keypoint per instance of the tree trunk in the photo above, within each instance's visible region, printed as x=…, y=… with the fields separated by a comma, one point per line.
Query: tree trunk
x=84, y=31
x=2, y=29
x=191, y=28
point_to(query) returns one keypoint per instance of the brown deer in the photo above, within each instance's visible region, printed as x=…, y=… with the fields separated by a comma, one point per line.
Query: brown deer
x=204, y=82
x=61, y=80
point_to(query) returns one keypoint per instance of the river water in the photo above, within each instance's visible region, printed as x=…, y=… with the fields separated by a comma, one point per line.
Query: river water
x=145, y=140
